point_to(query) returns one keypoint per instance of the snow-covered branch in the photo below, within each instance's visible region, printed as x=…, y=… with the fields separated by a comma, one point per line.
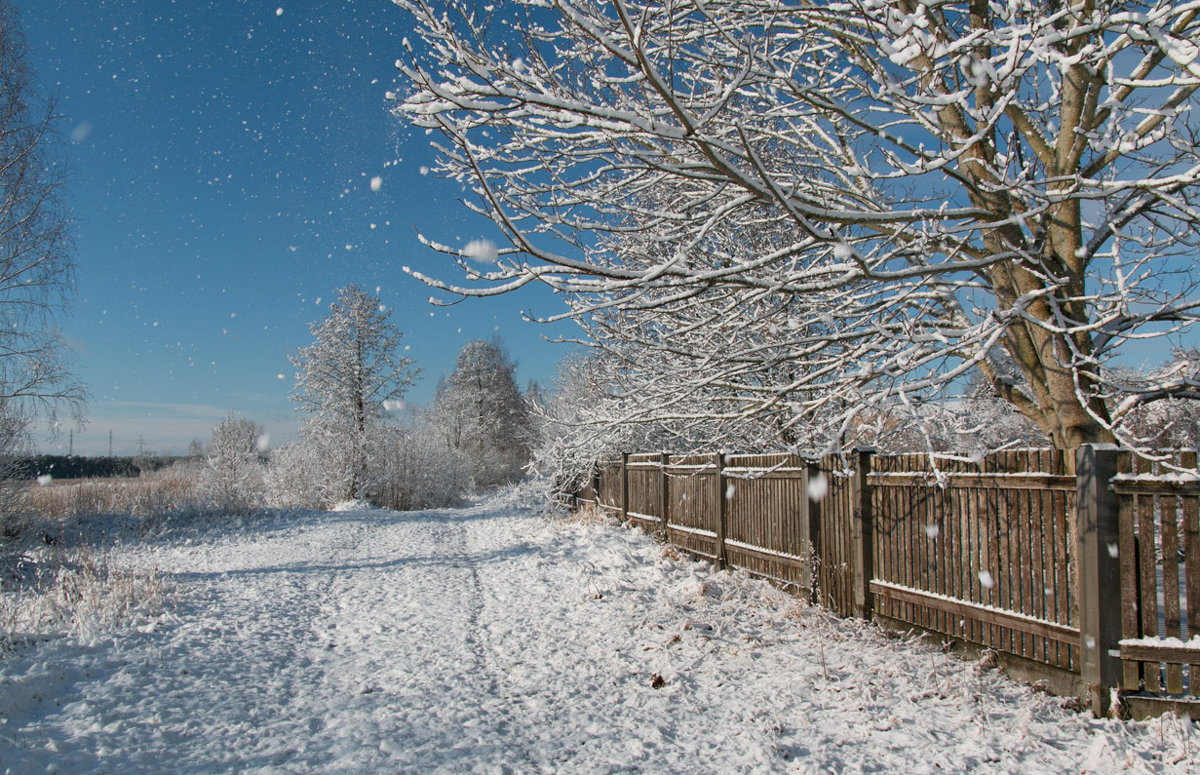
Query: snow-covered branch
x=817, y=211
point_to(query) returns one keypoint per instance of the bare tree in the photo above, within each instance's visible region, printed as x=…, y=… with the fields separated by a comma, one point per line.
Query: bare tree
x=36, y=248
x=346, y=378
x=949, y=187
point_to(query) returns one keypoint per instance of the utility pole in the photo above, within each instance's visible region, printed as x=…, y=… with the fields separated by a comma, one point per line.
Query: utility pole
x=71, y=442
x=110, y=442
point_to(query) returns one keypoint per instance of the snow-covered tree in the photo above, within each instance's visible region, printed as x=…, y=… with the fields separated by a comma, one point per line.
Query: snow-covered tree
x=483, y=415
x=344, y=382
x=1167, y=424
x=232, y=476
x=572, y=426
x=298, y=476
x=947, y=187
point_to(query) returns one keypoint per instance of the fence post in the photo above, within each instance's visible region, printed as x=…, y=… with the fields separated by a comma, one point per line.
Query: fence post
x=596, y=490
x=862, y=534
x=624, y=486
x=1097, y=526
x=666, y=496
x=722, y=559
x=810, y=525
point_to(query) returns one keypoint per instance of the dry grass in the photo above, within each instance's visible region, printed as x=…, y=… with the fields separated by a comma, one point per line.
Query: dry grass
x=74, y=591
x=172, y=489
x=55, y=577
x=589, y=514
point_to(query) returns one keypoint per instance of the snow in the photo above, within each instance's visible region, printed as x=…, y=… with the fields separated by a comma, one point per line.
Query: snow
x=482, y=250
x=493, y=639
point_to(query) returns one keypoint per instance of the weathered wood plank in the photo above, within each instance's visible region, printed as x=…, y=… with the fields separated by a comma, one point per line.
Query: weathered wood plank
x=1190, y=530
x=1131, y=679
x=1169, y=526
x=1147, y=583
x=1025, y=481
x=964, y=609
x=1169, y=484
x=1141, y=651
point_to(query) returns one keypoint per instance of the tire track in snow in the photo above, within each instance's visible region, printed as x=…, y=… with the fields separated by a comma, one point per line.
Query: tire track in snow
x=501, y=743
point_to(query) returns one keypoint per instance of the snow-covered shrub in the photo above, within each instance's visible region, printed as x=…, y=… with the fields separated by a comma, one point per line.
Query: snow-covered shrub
x=57, y=590
x=231, y=478
x=414, y=468
x=296, y=477
x=406, y=468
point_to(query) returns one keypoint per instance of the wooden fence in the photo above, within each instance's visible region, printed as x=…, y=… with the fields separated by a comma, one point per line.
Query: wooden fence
x=1079, y=568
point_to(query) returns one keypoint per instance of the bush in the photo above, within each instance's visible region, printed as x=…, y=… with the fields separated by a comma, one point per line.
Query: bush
x=73, y=591
x=414, y=468
x=296, y=477
x=232, y=478
x=407, y=468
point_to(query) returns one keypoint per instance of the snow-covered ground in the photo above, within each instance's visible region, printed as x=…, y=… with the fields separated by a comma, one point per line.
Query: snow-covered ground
x=490, y=639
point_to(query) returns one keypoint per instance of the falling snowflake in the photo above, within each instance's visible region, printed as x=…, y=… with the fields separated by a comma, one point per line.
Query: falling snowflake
x=482, y=250
x=818, y=487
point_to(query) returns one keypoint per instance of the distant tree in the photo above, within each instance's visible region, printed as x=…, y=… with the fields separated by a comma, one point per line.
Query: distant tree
x=345, y=379
x=1165, y=423
x=36, y=248
x=232, y=477
x=483, y=415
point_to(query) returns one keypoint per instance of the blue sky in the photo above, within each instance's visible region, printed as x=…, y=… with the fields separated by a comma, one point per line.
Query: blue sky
x=222, y=153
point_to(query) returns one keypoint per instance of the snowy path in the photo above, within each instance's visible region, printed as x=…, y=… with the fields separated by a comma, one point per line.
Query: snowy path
x=489, y=640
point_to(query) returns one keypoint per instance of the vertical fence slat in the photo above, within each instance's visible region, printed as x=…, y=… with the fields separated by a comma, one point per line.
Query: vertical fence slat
x=665, y=491
x=1131, y=674
x=1147, y=582
x=1191, y=558
x=1037, y=568
x=1168, y=517
x=812, y=534
x=863, y=533
x=722, y=512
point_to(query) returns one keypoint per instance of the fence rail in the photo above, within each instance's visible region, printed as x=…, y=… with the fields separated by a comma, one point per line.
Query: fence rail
x=1023, y=552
